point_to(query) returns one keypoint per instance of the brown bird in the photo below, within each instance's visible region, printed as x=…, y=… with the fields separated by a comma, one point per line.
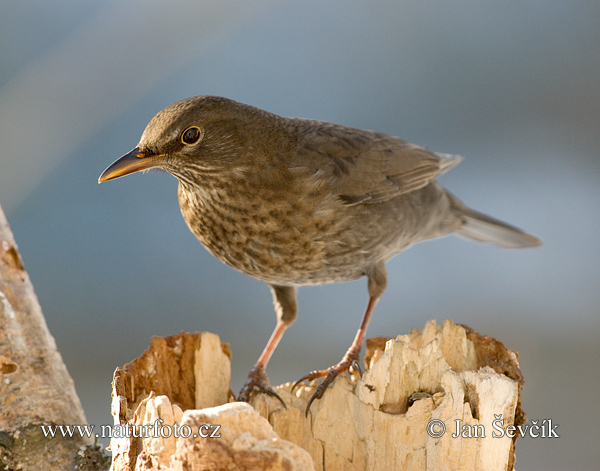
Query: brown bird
x=297, y=202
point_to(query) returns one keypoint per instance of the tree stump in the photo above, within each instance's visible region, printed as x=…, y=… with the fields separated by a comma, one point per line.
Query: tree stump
x=427, y=400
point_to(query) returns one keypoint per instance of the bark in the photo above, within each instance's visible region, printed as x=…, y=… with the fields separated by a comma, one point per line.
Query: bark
x=35, y=386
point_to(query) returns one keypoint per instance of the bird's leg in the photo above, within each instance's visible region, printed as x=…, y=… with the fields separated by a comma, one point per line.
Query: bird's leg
x=257, y=379
x=377, y=283
x=284, y=299
x=350, y=358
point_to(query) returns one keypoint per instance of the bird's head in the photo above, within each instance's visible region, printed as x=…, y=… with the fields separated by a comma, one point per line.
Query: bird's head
x=200, y=136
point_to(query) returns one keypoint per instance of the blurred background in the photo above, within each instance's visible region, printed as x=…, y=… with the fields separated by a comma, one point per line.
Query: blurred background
x=512, y=86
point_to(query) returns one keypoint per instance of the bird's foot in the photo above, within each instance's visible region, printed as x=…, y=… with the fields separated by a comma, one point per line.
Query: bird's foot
x=349, y=360
x=257, y=382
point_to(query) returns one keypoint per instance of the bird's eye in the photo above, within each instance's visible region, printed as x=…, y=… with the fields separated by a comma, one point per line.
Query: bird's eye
x=191, y=135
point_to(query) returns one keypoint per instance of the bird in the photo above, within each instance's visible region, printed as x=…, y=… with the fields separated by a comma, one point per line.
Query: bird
x=297, y=202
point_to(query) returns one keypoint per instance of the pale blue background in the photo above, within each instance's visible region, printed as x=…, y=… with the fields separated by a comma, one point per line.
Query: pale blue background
x=513, y=86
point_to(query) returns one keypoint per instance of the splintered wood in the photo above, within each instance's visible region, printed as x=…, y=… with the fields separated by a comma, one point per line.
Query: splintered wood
x=427, y=400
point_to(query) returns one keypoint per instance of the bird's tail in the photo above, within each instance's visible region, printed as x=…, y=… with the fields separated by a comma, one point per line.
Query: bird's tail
x=484, y=228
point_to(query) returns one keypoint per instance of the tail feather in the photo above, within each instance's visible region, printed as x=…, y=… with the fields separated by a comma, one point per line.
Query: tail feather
x=484, y=228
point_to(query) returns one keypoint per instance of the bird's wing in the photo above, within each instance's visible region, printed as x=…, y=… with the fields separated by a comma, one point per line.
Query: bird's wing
x=365, y=166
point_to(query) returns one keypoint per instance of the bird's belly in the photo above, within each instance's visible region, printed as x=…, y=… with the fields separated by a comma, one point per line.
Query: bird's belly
x=275, y=243
x=286, y=256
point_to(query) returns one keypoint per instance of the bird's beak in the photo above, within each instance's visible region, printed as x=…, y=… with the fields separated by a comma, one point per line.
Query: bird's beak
x=133, y=161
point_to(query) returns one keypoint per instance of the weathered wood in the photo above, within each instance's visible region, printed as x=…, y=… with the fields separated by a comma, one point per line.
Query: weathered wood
x=35, y=386
x=380, y=421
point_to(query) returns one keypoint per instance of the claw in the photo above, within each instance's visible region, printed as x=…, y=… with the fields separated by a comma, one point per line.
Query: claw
x=304, y=378
x=356, y=366
x=271, y=392
x=257, y=382
x=310, y=401
x=349, y=360
x=244, y=395
x=310, y=377
x=332, y=373
x=329, y=374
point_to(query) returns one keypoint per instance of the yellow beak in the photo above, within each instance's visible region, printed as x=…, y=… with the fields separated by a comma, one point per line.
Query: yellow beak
x=131, y=162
